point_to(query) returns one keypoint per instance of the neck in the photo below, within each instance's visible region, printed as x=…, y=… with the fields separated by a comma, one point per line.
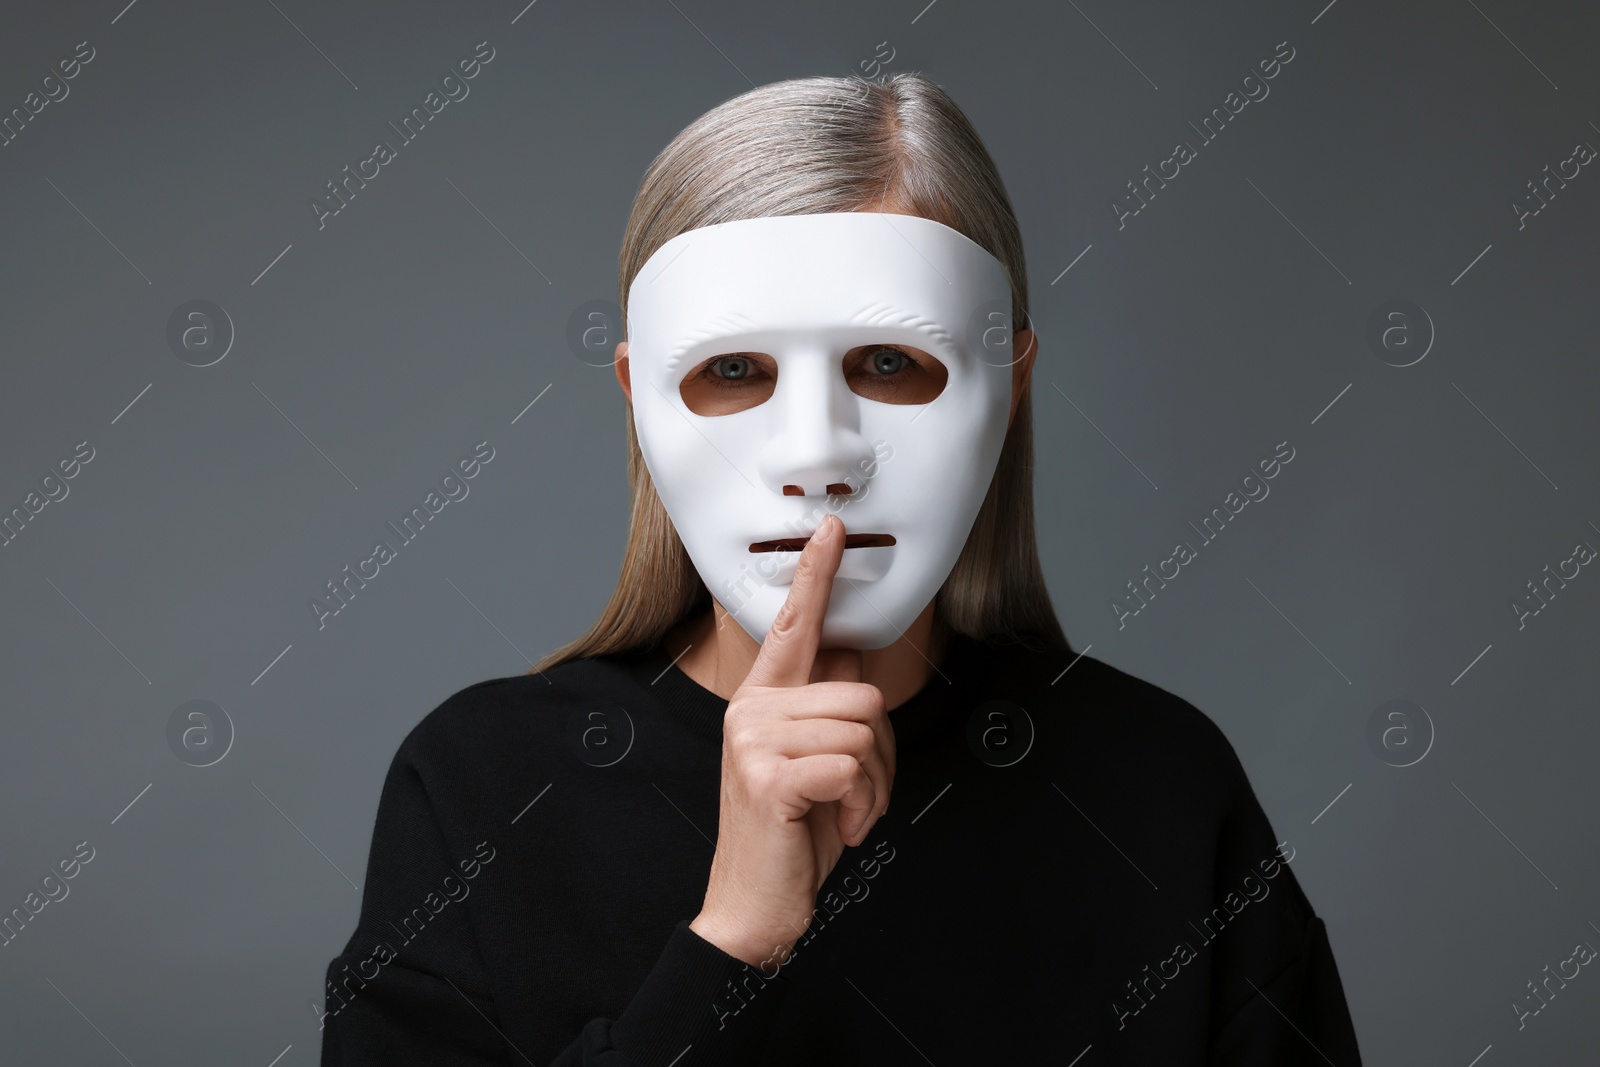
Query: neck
x=720, y=654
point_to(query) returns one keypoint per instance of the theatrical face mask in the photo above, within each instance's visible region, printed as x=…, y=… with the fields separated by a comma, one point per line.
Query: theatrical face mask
x=856, y=362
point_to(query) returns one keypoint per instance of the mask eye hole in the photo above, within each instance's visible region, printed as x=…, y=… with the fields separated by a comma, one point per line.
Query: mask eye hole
x=894, y=374
x=888, y=373
x=730, y=382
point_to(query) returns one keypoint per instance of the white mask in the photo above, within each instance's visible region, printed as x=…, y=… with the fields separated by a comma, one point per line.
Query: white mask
x=804, y=290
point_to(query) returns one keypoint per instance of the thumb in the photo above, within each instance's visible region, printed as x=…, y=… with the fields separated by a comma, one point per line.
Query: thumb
x=836, y=665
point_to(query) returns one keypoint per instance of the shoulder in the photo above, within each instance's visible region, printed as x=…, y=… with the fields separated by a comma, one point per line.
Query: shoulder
x=1125, y=724
x=1133, y=704
x=521, y=718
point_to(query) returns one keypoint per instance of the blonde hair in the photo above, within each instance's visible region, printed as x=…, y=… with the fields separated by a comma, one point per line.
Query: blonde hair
x=806, y=146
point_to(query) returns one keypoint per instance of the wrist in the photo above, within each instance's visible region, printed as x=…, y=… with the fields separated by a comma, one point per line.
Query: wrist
x=756, y=951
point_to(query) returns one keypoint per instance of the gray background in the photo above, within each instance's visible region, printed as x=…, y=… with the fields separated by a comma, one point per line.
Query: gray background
x=1177, y=352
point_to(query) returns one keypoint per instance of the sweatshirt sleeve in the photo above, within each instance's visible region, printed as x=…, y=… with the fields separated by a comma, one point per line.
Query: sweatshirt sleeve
x=1298, y=1017
x=1276, y=994
x=410, y=988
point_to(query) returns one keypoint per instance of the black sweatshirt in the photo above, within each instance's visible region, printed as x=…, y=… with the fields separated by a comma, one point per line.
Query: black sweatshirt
x=1073, y=863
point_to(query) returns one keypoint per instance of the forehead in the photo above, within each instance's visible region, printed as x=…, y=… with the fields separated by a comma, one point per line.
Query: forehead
x=821, y=277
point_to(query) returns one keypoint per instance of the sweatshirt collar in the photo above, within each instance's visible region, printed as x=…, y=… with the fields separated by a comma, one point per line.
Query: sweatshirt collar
x=931, y=715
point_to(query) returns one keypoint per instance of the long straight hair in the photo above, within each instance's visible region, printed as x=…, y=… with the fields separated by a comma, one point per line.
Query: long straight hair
x=807, y=146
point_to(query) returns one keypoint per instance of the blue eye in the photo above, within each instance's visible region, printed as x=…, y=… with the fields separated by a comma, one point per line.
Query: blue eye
x=736, y=371
x=886, y=360
x=741, y=368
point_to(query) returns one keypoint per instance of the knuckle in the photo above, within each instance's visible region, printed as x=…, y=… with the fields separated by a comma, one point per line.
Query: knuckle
x=741, y=737
x=788, y=617
x=766, y=777
x=869, y=698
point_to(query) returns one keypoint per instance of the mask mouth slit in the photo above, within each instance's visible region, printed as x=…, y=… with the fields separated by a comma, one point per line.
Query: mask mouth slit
x=795, y=544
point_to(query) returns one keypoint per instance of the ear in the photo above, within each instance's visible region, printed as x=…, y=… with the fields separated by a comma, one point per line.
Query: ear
x=621, y=365
x=1025, y=342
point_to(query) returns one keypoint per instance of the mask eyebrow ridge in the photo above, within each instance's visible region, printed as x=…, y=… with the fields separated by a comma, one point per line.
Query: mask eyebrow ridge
x=881, y=314
x=730, y=322
x=873, y=314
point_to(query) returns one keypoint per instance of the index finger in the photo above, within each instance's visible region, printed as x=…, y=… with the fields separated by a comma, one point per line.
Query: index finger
x=787, y=654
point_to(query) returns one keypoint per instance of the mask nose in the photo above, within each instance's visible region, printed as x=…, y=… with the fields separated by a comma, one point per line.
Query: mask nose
x=816, y=447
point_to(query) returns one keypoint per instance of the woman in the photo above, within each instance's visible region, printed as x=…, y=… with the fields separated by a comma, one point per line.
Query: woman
x=670, y=843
